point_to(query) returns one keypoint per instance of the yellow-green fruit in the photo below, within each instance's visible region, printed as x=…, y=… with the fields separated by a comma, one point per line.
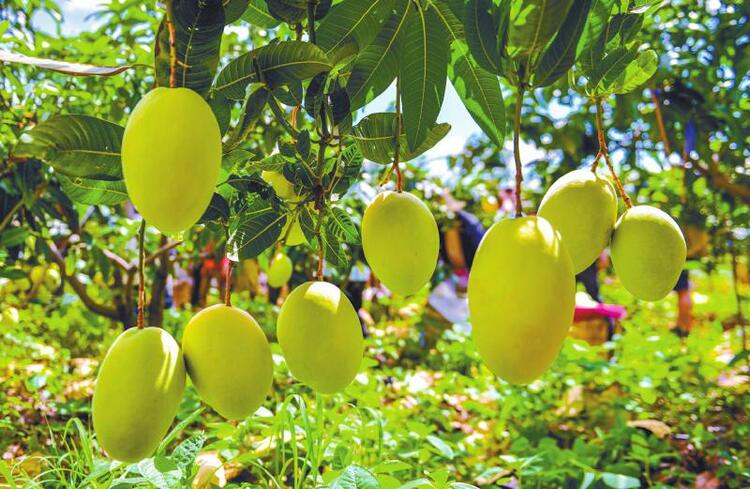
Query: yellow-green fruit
x=296, y=236
x=400, y=240
x=648, y=252
x=38, y=273
x=171, y=156
x=228, y=359
x=283, y=187
x=137, y=393
x=320, y=336
x=521, y=297
x=280, y=270
x=583, y=207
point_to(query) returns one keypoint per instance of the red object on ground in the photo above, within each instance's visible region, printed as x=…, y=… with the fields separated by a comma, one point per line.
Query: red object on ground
x=614, y=311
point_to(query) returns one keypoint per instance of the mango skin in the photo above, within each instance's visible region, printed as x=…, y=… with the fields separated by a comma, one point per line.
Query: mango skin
x=648, y=252
x=583, y=207
x=280, y=270
x=521, y=297
x=320, y=336
x=171, y=156
x=283, y=187
x=401, y=241
x=137, y=393
x=229, y=360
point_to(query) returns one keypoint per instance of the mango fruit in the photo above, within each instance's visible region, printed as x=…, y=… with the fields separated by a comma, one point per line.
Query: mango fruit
x=321, y=337
x=283, y=187
x=295, y=236
x=171, y=156
x=280, y=270
x=401, y=241
x=521, y=297
x=648, y=252
x=137, y=393
x=228, y=359
x=583, y=207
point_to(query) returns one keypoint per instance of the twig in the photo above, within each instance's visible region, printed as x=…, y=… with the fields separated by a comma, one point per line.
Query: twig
x=312, y=6
x=517, y=150
x=228, y=284
x=172, y=46
x=141, y=280
x=163, y=249
x=397, y=142
x=78, y=287
x=605, y=152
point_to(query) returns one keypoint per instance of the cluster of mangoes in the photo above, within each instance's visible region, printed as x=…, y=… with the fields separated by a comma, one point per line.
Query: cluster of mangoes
x=522, y=282
x=521, y=286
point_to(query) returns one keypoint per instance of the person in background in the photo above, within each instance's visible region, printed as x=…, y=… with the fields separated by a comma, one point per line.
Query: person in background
x=684, y=304
x=458, y=245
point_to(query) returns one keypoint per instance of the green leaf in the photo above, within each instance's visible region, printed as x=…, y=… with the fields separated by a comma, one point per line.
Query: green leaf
x=217, y=210
x=279, y=63
x=341, y=225
x=636, y=73
x=561, y=53
x=75, y=69
x=198, y=26
x=443, y=448
x=76, y=146
x=619, y=481
x=479, y=89
x=351, y=161
x=233, y=10
x=254, y=230
x=13, y=237
x=480, y=92
x=186, y=452
x=94, y=192
x=355, y=477
x=532, y=25
x=294, y=11
x=423, y=59
x=161, y=472
x=485, y=25
x=376, y=66
x=375, y=138
x=591, y=47
x=351, y=25
x=257, y=14
x=611, y=66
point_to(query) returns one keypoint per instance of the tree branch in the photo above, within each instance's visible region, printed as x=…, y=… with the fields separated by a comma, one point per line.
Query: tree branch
x=721, y=181
x=80, y=288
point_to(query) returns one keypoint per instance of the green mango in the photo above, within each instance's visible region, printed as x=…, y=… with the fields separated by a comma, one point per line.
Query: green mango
x=229, y=360
x=171, y=157
x=137, y=393
x=400, y=240
x=583, y=207
x=648, y=252
x=321, y=337
x=521, y=297
x=280, y=270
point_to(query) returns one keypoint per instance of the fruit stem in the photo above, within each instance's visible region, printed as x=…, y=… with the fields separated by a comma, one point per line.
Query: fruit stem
x=517, y=149
x=228, y=284
x=172, y=46
x=141, y=279
x=397, y=142
x=604, y=152
x=312, y=5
